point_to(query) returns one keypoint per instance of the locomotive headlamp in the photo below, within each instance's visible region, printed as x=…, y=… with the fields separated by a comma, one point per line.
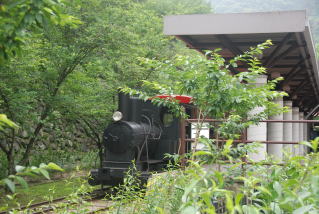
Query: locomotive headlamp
x=117, y=116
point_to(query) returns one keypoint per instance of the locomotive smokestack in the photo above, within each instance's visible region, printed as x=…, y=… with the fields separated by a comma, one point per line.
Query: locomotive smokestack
x=135, y=114
x=124, y=105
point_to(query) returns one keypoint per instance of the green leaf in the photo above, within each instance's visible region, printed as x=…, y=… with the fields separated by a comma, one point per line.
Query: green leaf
x=189, y=189
x=44, y=173
x=49, y=11
x=10, y=184
x=275, y=208
x=220, y=178
x=229, y=203
x=306, y=143
x=207, y=198
x=160, y=210
x=315, y=184
x=10, y=197
x=31, y=174
x=227, y=147
x=277, y=188
x=247, y=209
x=39, y=18
x=43, y=165
x=315, y=144
x=14, y=4
x=201, y=153
x=4, y=121
x=238, y=198
x=303, y=209
x=21, y=181
x=263, y=190
x=19, y=168
x=189, y=210
x=55, y=167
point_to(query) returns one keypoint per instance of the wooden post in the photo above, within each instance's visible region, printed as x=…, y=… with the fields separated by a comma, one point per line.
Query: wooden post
x=182, y=140
x=182, y=137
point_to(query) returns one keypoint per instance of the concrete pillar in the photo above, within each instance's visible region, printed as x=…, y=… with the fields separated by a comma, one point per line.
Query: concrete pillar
x=301, y=134
x=258, y=132
x=275, y=133
x=287, y=132
x=295, y=130
x=305, y=132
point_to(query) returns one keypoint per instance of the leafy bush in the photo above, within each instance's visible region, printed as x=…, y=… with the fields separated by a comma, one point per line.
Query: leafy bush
x=216, y=90
x=11, y=180
x=217, y=180
x=289, y=187
x=67, y=158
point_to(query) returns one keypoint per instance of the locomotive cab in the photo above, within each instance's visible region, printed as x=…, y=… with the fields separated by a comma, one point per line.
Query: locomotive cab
x=143, y=133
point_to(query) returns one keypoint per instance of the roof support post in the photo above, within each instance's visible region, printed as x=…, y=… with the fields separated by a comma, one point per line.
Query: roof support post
x=258, y=132
x=295, y=129
x=287, y=127
x=275, y=133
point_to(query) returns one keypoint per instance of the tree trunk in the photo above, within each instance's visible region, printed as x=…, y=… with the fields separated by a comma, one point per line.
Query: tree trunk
x=11, y=155
x=11, y=165
x=100, y=147
x=25, y=159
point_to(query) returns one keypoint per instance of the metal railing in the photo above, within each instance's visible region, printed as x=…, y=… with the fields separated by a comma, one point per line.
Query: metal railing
x=243, y=139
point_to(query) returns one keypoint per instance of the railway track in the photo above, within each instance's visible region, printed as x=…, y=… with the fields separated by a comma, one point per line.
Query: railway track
x=91, y=203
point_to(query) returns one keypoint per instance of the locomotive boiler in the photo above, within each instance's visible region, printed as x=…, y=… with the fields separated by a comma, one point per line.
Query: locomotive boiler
x=141, y=132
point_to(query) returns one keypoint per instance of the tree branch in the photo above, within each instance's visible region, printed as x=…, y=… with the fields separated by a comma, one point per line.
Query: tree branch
x=6, y=104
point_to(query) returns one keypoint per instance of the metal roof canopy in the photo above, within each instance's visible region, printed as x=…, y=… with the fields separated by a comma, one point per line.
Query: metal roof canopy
x=292, y=55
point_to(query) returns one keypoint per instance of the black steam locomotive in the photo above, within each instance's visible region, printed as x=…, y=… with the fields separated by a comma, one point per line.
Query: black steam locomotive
x=141, y=132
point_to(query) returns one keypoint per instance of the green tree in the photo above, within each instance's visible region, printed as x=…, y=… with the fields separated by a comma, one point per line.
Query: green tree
x=68, y=77
x=177, y=7
x=215, y=91
x=17, y=19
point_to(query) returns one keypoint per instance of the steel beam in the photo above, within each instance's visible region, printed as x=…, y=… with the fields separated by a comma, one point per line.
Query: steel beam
x=229, y=45
x=283, y=54
x=308, y=67
x=279, y=47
